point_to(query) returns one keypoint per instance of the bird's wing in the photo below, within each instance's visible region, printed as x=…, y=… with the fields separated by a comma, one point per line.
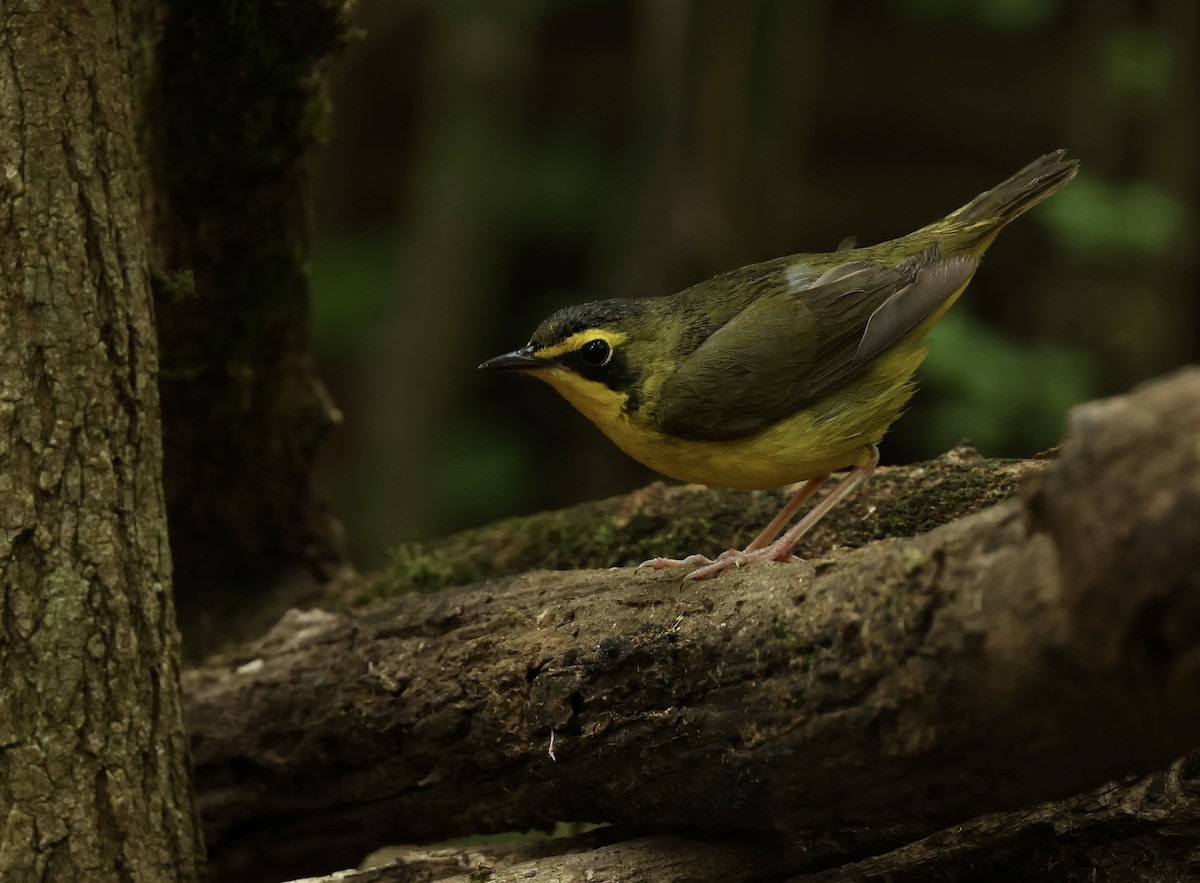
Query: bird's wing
x=788, y=348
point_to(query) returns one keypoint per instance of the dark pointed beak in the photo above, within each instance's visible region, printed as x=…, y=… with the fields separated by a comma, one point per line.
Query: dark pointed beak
x=518, y=360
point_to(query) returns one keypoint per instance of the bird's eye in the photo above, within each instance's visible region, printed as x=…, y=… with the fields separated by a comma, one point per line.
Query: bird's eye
x=595, y=353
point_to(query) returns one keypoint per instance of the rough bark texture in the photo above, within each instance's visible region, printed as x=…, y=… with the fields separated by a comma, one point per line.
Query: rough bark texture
x=854, y=703
x=681, y=519
x=238, y=101
x=1145, y=831
x=93, y=757
x=608, y=855
x=656, y=519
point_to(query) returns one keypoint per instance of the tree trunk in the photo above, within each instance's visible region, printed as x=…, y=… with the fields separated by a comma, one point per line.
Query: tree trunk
x=852, y=704
x=93, y=766
x=237, y=102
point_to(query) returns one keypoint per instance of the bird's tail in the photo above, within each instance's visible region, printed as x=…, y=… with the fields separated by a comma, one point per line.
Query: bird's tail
x=973, y=227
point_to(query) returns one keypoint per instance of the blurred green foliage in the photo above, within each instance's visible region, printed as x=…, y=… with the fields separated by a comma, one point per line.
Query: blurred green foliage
x=1001, y=15
x=1138, y=218
x=349, y=287
x=1006, y=396
x=492, y=162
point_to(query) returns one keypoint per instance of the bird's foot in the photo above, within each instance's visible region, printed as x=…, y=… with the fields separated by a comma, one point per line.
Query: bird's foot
x=777, y=551
x=664, y=563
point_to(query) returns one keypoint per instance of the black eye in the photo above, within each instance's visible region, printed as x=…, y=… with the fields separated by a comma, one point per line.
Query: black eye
x=595, y=353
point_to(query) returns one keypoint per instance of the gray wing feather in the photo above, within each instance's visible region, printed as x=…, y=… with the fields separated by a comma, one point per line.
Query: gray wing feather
x=911, y=305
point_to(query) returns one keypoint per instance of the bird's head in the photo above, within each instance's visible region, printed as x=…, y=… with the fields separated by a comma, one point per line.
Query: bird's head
x=597, y=355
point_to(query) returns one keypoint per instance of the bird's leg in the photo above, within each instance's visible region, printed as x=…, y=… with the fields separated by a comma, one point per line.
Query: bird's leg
x=769, y=532
x=781, y=549
x=785, y=515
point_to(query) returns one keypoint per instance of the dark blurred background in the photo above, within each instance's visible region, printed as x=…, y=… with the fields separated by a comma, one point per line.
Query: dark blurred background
x=493, y=161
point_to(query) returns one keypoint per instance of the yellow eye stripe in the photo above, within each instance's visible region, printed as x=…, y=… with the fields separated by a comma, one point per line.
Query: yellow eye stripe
x=577, y=341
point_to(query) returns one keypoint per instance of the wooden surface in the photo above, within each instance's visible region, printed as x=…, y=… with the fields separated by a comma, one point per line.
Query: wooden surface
x=854, y=703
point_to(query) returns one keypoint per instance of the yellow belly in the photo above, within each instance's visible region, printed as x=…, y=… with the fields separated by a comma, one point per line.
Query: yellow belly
x=835, y=432
x=792, y=450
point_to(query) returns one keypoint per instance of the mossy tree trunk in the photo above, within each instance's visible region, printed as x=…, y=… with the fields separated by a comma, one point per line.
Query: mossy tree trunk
x=93, y=757
x=236, y=103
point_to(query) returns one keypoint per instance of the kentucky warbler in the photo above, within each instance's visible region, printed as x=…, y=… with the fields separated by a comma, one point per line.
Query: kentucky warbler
x=777, y=372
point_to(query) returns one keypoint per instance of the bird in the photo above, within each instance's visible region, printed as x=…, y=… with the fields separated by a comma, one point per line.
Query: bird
x=779, y=372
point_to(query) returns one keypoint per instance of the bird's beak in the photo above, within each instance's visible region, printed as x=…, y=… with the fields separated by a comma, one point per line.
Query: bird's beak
x=518, y=360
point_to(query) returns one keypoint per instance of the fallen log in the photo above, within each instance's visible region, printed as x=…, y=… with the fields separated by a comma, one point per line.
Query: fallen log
x=679, y=519
x=1142, y=830
x=853, y=703
x=606, y=856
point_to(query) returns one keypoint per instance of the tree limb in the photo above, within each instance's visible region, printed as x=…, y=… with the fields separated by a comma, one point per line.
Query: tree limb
x=853, y=703
x=680, y=519
x=603, y=855
x=1142, y=830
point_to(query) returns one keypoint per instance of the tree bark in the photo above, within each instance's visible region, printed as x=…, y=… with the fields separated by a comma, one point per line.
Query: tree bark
x=602, y=855
x=93, y=757
x=237, y=102
x=681, y=519
x=1145, y=830
x=852, y=704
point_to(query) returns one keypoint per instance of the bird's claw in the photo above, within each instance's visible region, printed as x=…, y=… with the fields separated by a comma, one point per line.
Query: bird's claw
x=706, y=567
x=733, y=558
x=665, y=563
x=724, y=562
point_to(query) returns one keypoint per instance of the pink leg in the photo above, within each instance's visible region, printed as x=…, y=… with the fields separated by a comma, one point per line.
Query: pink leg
x=802, y=496
x=781, y=549
x=768, y=533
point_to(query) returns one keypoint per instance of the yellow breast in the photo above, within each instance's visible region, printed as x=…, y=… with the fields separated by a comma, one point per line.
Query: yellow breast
x=831, y=434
